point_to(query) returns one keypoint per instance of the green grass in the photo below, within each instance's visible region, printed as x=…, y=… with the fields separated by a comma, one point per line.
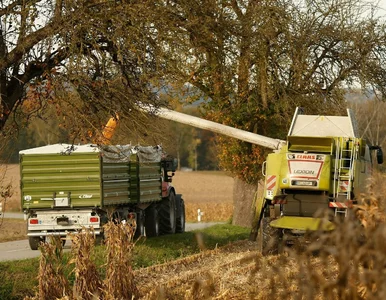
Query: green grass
x=19, y=278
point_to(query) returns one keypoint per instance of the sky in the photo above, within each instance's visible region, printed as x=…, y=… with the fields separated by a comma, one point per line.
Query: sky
x=382, y=5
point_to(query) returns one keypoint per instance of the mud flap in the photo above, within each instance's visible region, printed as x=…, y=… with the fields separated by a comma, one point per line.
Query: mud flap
x=261, y=205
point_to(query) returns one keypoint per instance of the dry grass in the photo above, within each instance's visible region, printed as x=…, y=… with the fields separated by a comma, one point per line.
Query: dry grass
x=10, y=187
x=204, y=187
x=209, y=211
x=211, y=192
x=52, y=282
x=348, y=263
x=87, y=282
x=118, y=282
x=12, y=230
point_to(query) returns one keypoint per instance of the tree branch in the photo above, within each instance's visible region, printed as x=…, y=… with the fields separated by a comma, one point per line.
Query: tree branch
x=11, y=6
x=30, y=41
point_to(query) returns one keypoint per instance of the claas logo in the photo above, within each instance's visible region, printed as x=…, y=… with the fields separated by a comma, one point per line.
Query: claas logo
x=304, y=156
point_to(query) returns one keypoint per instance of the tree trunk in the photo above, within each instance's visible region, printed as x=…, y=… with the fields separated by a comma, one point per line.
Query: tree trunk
x=243, y=199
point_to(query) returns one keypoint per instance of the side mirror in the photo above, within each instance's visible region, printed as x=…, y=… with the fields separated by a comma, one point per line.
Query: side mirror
x=175, y=164
x=379, y=156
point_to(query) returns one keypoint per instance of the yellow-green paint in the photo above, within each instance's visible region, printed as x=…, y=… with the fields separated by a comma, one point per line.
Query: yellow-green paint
x=277, y=164
x=302, y=223
x=87, y=180
x=310, y=144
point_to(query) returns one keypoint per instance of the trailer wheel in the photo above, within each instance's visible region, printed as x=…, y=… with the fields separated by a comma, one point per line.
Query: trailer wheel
x=99, y=239
x=180, y=220
x=168, y=214
x=152, y=221
x=270, y=239
x=140, y=230
x=34, y=242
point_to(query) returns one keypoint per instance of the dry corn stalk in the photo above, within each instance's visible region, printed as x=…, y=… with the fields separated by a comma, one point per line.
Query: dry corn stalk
x=87, y=283
x=52, y=282
x=119, y=281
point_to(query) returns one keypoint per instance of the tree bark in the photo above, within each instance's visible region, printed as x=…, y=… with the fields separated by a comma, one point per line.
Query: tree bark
x=243, y=199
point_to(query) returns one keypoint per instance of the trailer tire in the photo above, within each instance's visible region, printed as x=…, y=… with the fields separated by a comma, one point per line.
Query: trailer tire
x=168, y=213
x=270, y=239
x=180, y=220
x=34, y=242
x=152, y=224
x=140, y=230
x=99, y=239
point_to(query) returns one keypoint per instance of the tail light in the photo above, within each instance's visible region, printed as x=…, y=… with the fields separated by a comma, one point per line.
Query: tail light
x=280, y=199
x=33, y=221
x=94, y=219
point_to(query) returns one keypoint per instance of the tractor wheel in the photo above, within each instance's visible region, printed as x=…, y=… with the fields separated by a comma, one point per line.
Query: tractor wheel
x=270, y=239
x=152, y=225
x=168, y=213
x=180, y=220
x=34, y=242
x=140, y=230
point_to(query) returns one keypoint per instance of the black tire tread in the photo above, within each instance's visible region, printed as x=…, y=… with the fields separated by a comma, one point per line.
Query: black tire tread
x=34, y=242
x=269, y=239
x=180, y=220
x=152, y=225
x=167, y=214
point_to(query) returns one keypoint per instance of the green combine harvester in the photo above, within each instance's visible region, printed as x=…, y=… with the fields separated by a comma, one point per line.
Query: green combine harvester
x=322, y=166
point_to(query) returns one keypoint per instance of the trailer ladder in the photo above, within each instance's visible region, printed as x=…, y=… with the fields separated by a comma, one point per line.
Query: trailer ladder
x=345, y=154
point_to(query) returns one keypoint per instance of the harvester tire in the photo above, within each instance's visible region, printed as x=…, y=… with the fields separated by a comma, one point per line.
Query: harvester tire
x=270, y=239
x=168, y=214
x=34, y=242
x=180, y=220
x=152, y=224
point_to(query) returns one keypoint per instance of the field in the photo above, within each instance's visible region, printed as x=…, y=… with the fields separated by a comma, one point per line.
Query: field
x=10, y=187
x=217, y=263
x=209, y=192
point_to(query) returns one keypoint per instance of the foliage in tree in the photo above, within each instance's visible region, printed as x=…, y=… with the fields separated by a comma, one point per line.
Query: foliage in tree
x=87, y=59
x=252, y=62
x=255, y=61
x=370, y=116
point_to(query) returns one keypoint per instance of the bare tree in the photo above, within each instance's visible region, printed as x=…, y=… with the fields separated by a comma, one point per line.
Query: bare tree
x=102, y=53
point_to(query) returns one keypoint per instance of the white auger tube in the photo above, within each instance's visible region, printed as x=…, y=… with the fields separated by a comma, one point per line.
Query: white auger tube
x=217, y=128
